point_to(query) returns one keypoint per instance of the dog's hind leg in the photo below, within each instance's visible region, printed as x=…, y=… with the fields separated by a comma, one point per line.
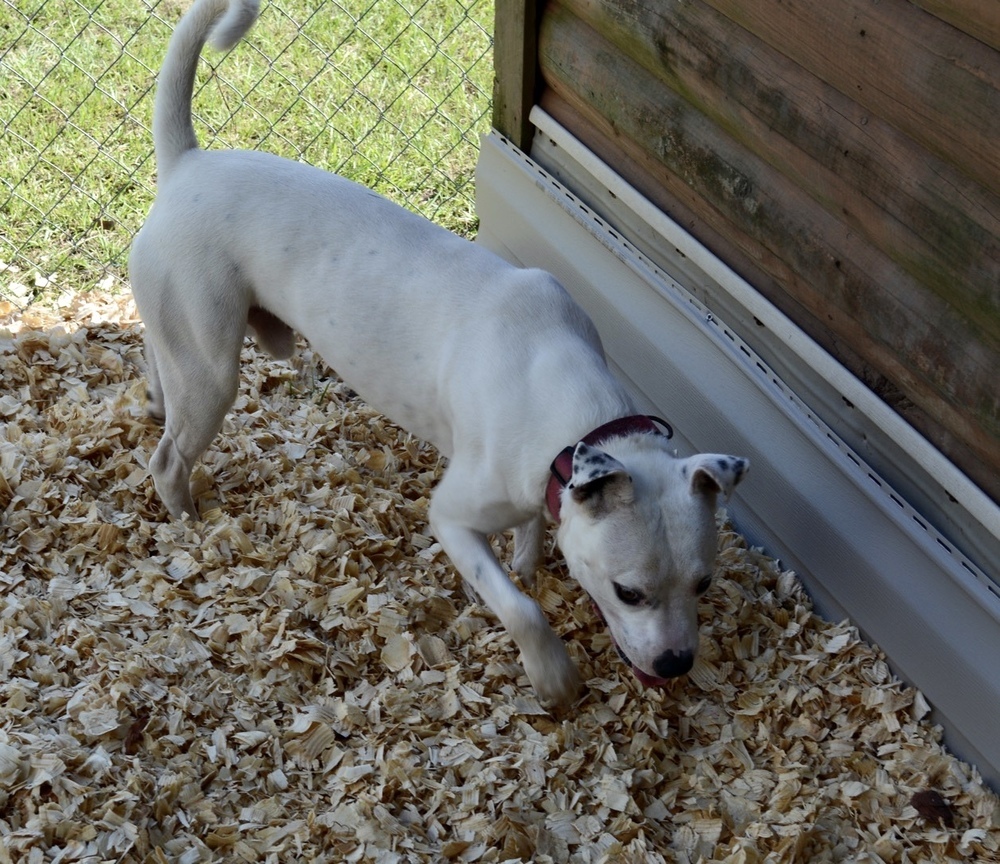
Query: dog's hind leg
x=154, y=390
x=197, y=394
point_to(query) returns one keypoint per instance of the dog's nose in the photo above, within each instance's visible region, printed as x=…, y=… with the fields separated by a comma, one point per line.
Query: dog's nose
x=670, y=664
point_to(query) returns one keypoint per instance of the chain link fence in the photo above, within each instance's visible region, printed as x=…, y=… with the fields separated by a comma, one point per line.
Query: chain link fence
x=392, y=93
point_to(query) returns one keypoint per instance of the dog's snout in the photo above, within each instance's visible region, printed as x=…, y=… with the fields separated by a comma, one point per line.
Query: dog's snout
x=670, y=664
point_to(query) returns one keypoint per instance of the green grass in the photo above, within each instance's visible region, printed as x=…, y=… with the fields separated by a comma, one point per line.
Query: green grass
x=392, y=93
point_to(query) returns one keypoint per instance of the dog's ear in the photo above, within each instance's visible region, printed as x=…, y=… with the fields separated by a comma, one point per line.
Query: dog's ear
x=712, y=474
x=599, y=482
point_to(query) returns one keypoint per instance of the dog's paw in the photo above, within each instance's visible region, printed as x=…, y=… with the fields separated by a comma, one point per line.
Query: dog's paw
x=554, y=676
x=527, y=555
x=525, y=574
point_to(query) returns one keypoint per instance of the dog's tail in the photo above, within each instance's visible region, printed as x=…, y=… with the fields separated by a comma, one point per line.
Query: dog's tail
x=224, y=22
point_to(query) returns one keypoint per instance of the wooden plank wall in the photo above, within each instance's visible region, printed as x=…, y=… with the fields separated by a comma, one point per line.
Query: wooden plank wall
x=515, y=64
x=842, y=155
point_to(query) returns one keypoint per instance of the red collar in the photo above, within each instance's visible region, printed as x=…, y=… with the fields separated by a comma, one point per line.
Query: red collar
x=561, y=469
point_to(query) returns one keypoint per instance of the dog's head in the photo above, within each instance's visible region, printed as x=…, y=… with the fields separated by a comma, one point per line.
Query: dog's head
x=639, y=534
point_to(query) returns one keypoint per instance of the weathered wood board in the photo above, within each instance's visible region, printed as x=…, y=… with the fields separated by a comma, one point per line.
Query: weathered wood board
x=978, y=18
x=933, y=82
x=514, y=60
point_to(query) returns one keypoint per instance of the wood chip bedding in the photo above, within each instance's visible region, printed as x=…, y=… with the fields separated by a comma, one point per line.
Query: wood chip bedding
x=301, y=676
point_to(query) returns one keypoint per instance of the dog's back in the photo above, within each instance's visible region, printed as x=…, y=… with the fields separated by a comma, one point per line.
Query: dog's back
x=424, y=324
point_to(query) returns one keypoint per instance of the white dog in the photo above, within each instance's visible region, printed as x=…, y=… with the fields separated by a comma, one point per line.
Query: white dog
x=493, y=364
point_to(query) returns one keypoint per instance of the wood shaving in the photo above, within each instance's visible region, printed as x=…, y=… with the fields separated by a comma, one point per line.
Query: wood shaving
x=302, y=676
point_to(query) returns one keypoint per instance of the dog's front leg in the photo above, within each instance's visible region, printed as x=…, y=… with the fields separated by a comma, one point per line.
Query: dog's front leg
x=548, y=665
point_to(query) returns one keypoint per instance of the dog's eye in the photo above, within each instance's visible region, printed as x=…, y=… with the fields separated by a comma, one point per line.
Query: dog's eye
x=629, y=596
x=703, y=585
